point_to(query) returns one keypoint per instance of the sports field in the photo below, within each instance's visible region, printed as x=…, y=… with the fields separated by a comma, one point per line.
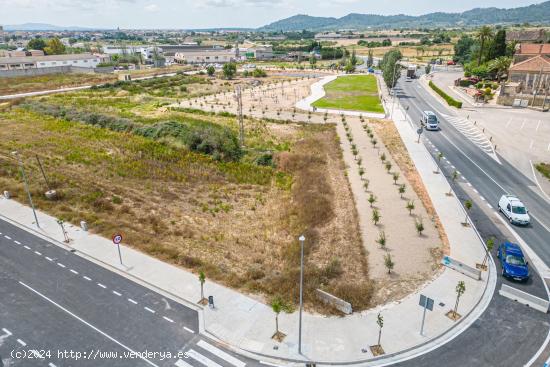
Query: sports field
x=354, y=92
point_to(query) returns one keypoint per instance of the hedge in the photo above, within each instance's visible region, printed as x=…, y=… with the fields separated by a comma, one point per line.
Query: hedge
x=450, y=100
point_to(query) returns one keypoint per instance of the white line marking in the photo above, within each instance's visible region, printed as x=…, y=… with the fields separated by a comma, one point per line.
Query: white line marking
x=118, y=294
x=8, y=333
x=537, y=180
x=489, y=205
x=8, y=237
x=101, y=285
x=51, y=365
x=474, y=190
x=74, y=271
x=148, y=309
x=27, y=247
x=17, y=242
x=85, y=277
x=548, y=148
x=482, y=198
x=167, y=319
x=63, y=266
x=88, y=324
x=538, y=125
x=21, y=342
x=181, y=363
x=509, y=121
x=38, y=253
x=49, y=259
x=469, y=184
x=190, y=330
x=522, y=125
x=132, y=301
x=531, y=145
x=220, y=353
x=201, y=359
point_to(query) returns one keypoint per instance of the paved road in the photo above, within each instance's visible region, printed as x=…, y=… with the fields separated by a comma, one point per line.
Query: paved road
x=507, y=333
x=52, y=301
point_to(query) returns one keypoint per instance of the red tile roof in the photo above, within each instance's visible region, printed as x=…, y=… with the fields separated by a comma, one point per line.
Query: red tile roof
x=534, y=48
x=533, y=64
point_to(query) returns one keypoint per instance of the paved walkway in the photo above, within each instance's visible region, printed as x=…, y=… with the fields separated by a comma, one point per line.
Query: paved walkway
x=246, y=324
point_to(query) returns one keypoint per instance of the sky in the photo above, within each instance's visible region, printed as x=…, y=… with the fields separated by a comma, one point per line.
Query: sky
x=186, y=14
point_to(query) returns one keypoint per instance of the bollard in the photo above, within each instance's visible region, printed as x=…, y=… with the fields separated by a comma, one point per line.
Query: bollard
x=211, y=301
x=7, y=194
x=84, y=225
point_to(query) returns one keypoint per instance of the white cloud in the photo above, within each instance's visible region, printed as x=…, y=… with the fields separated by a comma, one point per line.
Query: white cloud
x=240, y=3
x=152, y=8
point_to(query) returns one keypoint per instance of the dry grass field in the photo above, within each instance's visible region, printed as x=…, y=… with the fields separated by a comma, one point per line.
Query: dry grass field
x=24, y=84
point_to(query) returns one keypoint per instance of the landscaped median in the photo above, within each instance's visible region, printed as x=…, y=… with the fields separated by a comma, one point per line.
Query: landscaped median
x=450, y=100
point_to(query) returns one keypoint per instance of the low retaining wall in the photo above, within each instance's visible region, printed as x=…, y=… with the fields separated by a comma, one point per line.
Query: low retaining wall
x=334, y=301
x=524, y=298
x=54, y=70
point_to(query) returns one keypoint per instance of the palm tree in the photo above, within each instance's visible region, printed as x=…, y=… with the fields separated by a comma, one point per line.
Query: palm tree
x=483, y=34
x=500, y=66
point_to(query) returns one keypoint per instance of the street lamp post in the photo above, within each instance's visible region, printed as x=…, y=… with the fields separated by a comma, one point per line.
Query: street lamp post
x=301, y=239
x=18, y=157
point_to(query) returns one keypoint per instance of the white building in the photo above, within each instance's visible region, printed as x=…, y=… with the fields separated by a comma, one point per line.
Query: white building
x=209, y=56
x=38, y=62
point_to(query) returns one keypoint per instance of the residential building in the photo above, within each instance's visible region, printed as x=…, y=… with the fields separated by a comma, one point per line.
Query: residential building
x=526, y=51
x=38, y=62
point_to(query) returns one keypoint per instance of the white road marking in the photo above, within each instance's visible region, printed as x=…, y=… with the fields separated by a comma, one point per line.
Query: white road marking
x=181, y=363
x=101, y=285
x=489, y=205
x=167, y=319
x=8, y=237
x=38, y=253
x=85, y=277
x=150, y=310
x=49, y=259
x=74, y=271
x=220, y=353
x=538, y=125
x=522, y=124
x=475, y=191
x=118, y=294
x=469, y=184
x=201, y=359
x=21, y=342
x=51, y=365
x=7, y=332
x=531, y=145
x=190, y=330
x=17, y=242
x=88, y=324
x=509, y=121
x=548, y=148
x=482, y=198
x=63, y=266
x=27, y=247
x=132, y=301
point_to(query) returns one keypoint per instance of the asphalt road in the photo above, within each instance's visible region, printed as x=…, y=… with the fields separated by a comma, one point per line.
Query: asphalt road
x=53, y=302
x=507, y=333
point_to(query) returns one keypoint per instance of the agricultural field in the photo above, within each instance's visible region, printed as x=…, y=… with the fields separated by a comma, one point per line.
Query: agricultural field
x=180, y=187
x=23, y=84
x=355, y=92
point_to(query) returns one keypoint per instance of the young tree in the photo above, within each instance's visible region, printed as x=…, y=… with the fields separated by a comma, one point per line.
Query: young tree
x=439, y=157
x=489, y=243
x=388, y=166
x=401, y=190
x=388, y=262
x=278, y=305
x=454, y=176
x=370, y=58
x=366, y=185
x=391, y=70
x=36, y=44
x=410, y=206
x=353, y=58
x=229, y=70
x=460, y=289
x=468, y=205
x=428, y=68
x=381, y=239
x=210, y=70
x=371, y=199
x=202, y=279
x=395, y=177
x=376, y=216
x=419, y=226
x=380, y=322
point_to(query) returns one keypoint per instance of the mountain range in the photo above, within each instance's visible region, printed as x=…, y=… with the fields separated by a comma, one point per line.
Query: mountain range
x=533, y=14
x=44, y=27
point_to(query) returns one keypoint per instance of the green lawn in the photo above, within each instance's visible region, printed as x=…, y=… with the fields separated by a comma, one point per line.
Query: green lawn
x=354, y=92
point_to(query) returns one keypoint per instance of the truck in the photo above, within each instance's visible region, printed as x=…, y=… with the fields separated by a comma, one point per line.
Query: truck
x=411, y=71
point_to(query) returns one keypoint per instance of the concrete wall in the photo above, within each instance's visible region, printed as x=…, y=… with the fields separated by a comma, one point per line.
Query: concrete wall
x=53, y=70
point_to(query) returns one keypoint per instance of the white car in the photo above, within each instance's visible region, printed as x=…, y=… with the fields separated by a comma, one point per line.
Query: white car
x=514, y=210
x=429, y=121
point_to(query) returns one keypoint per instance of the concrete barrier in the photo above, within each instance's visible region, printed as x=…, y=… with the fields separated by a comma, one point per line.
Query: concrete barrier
x=334, y=301
x=524, y=298
x=461, y=267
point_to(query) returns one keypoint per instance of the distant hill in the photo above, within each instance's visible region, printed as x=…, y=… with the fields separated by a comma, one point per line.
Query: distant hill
x=43, y=27
x=534, y=14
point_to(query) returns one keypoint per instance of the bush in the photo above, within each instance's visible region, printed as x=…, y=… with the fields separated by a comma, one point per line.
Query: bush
x=259, y=73
x=450, y=100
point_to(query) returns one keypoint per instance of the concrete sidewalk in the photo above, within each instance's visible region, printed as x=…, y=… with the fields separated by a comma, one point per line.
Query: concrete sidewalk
x=246, y=324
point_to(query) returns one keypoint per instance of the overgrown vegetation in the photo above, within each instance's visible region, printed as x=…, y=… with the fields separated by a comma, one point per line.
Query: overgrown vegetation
x=544, y=169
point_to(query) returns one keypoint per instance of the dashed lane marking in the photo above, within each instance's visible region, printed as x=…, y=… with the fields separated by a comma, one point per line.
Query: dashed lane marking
x=132, y=301
x=118, y=294
x=7, y=332
x=74, y=271
x=27, y=247
x=85, y=277
x=49, y=259
x=21, y=342
x=61, y=265
x=190, y=330
x=17, y=242
x=38, y=253
x=150, y=310
x=102, y=286
x=8, y=237
x=167, y=319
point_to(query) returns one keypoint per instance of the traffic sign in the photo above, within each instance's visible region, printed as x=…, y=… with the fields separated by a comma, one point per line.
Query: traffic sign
x=426, y=302
x=419, y=131
x=117, y=239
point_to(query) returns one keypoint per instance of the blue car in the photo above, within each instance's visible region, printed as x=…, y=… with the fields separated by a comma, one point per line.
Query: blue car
x=513, y=262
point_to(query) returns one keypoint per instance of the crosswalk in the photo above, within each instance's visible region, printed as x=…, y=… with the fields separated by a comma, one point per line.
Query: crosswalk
x=207, y=355
x=472, y=133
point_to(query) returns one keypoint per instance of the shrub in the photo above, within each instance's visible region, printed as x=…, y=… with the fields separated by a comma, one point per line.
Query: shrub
x=450, y=100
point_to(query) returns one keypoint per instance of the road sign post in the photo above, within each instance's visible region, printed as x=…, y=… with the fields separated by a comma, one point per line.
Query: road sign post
x=427, y=304
x=117, y=239
x=419, y=132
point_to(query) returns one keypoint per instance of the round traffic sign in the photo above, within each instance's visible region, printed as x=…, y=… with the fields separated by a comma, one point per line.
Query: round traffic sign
x=117, y=238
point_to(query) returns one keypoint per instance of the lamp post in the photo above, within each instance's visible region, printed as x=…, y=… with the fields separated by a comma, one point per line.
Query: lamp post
x=18, y=157
x=301, y=239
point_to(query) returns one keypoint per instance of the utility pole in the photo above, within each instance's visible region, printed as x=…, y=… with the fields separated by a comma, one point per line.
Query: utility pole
x=240, y=114
x=18, y=157
x=42, y=170
x=301, y=239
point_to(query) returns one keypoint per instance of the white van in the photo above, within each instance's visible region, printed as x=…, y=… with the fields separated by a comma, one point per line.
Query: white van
x=429, y=120
x=514, y=210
